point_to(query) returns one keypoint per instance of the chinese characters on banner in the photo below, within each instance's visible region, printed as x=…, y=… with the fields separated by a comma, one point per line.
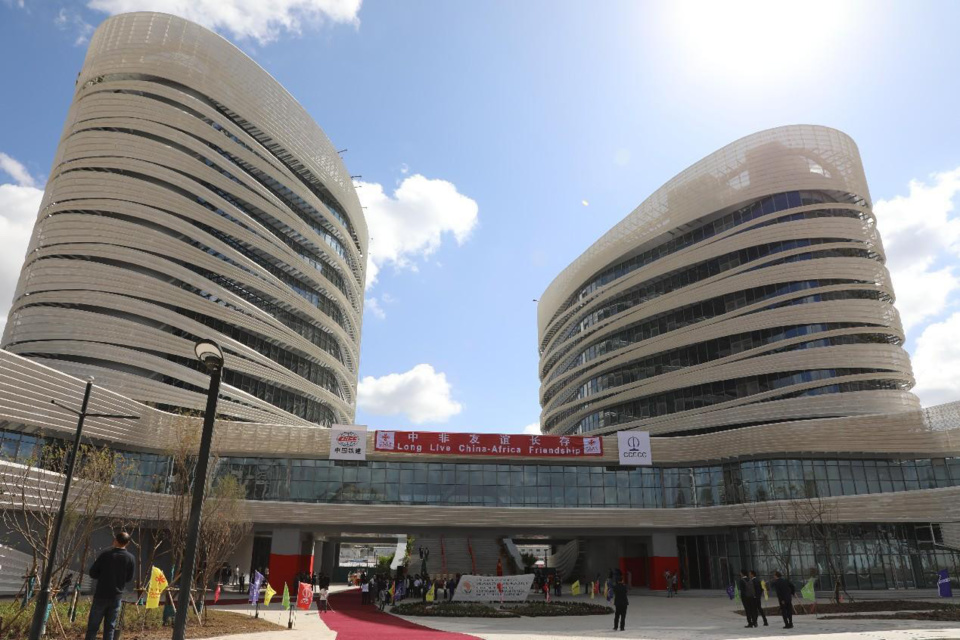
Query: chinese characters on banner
x=488, y=444
x=348, y=442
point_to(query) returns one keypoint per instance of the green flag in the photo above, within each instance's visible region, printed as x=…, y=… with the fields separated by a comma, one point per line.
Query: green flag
x=736, y=592
x=286, y=596
x=808, y=592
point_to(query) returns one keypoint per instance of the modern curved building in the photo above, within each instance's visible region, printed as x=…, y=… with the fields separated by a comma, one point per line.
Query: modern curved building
x=749, y=289
x=191, y=196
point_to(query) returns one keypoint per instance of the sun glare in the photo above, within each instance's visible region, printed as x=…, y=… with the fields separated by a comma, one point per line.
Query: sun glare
x=751, y=40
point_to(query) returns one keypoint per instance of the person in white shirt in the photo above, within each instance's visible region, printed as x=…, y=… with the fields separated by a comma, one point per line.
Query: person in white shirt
x=365, y=593
x=322, y=600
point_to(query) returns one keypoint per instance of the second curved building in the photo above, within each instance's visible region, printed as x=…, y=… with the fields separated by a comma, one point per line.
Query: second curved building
x=750, y=288
x=191, y=196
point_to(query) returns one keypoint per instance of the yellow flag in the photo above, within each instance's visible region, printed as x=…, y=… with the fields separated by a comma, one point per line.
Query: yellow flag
x=763, y=585
x=432, y=594
x=575, y=588
x=605, y=587
x=157, y=585
x=268, y=595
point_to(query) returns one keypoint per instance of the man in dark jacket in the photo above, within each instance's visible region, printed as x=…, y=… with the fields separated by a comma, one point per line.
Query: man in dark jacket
x=112, y=570
x=784, y=590
x=758, y=601
x=620, y=603
x=747, y=595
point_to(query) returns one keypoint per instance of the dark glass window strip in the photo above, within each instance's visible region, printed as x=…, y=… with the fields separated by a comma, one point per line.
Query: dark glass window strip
x=709, y=350
x=768, y=205
x=270, y=147
x=695, y=397
x=631, y=298
x=680, y=317
x=537, y=485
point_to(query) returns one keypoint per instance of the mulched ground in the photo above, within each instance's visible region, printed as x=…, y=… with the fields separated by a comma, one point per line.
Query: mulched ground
x=218, y=623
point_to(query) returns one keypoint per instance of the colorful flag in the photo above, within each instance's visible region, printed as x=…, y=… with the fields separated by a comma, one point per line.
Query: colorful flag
x=268, y=596
x=393, y=589
x=158, y=582
x=763, y=585
x=593, y=590
x=432, y=594
x=216, y=595
x=575, y=588
x=736, y=593
x=255, y=583
x=305, y=596
x=731, y=591
x=286, y=596
x=943, y=584
x=808, y=593
x=606, y=590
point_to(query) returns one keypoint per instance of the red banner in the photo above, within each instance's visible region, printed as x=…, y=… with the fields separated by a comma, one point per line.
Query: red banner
x=488, y=444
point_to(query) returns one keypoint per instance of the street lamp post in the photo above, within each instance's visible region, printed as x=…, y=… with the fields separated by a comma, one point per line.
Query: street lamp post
x=43, y=596
x=210, y=354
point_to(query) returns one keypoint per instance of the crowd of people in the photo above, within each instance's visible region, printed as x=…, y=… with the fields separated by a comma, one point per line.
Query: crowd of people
x=381, y=589
x=114, y=569
x=752, y=589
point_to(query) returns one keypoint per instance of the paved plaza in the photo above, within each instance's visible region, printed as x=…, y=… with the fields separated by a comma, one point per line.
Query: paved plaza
x=703, y=616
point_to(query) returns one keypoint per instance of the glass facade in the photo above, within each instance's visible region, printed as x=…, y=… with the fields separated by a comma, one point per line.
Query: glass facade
x=539, y=485
x=862, y=556
x=650, y=314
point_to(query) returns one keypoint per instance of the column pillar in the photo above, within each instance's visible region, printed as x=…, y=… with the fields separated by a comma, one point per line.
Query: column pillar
x=287, y=558
x=663, y=557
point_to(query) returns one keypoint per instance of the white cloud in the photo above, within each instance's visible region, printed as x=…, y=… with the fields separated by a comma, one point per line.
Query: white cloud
x=68, y=20
x=421, y=394
x=258, y=20
x=412, y=222
x=532, y=429
x=373, y=306
x=19, y=203
x=921, y=237
x=16, y=171
x=936, y=362
x=585, y=203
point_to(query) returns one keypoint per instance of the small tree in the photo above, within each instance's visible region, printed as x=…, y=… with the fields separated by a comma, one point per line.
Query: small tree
x=223, y=523
x=31, y=490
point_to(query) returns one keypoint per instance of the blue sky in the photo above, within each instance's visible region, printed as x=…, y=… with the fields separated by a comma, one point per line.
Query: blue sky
x=497, y=140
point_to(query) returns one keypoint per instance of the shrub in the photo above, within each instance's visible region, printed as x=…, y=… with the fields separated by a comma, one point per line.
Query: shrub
x=547, y=609
x=451, y=610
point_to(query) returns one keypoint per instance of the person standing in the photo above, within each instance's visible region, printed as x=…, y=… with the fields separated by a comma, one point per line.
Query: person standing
x=747, y=593
x=784, y=590
x=364, y=593
x=112, y=570
x=620, y=603
x=758, y=600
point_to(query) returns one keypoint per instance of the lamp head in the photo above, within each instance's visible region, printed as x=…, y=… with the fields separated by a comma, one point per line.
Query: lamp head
x=209, y=353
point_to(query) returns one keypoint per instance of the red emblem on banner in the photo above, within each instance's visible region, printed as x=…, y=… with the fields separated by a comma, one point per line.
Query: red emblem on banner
x=488, y=444
x=305, y=596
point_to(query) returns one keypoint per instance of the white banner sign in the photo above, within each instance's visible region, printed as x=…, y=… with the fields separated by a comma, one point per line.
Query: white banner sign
x=493, y=588
x=348, y=442
x=634, y=448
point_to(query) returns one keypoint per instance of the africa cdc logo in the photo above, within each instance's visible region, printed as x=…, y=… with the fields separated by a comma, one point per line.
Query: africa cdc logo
x=634, y=447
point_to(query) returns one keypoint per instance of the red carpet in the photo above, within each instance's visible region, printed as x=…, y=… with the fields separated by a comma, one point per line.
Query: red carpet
x=352, y=621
